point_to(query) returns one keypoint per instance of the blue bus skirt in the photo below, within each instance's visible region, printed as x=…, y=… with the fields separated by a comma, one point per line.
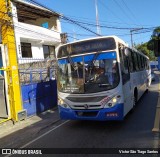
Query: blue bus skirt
x=114, y=113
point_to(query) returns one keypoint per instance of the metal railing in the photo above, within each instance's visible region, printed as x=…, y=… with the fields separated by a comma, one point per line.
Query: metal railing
x=37, y=70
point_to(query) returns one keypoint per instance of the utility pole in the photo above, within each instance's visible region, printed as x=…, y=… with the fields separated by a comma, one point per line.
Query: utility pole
x=8, y=40
x=64, y=38
x=97, y=19
x=74, y=35
x=131, y=31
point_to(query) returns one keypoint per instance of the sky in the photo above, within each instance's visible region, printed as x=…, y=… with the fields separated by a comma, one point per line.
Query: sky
x=116, y=17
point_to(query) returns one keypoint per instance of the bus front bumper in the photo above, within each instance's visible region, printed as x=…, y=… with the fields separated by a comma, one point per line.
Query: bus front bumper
x=114, y=113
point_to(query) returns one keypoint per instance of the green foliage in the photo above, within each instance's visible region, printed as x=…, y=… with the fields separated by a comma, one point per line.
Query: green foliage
x=151, y=44
x=155, y=36
x=148, y=48
x=156, y=33
x=144, y=49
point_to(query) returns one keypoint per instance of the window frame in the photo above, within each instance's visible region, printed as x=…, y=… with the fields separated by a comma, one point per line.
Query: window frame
x=24, y=47
x=49, y=51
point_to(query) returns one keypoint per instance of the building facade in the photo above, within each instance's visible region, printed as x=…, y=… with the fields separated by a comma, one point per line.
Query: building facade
x=37, y=31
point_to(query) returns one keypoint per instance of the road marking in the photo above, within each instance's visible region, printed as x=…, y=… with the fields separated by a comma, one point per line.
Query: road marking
x=40, y=137
x=44, y=134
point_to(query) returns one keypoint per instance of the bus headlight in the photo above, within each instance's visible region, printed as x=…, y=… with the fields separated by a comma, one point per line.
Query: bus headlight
x=112, y=102
x=62, y=103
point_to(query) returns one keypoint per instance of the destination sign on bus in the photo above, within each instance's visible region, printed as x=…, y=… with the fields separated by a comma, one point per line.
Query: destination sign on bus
x=87, y=46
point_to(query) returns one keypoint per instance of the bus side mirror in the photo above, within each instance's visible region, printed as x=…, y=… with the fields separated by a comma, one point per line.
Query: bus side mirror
x=126, y=52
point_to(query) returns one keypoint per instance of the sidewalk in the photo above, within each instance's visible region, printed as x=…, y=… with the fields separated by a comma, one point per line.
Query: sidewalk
x=10, y=132
x=156, y=127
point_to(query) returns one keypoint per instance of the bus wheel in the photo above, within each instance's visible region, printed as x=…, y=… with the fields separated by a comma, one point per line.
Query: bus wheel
x=134, y=100
x=147, y=89
x=147, y=86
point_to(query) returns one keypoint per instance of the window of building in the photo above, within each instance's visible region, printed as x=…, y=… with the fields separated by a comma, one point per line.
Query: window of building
x=26, y=50
x=49, y=51
x=45, y=25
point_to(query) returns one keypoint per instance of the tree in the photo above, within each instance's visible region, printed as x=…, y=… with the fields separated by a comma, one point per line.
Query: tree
x=156, y=33
x=151, y=47
x=144, y=49
x=153, y=43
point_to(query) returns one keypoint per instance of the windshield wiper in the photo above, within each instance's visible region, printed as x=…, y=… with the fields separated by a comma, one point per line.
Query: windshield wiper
x=71, y=62
x=94, y=59
x=91, y=65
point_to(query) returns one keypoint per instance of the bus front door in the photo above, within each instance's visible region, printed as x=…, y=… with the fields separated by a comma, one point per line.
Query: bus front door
x=126, y=85
x=127, y=94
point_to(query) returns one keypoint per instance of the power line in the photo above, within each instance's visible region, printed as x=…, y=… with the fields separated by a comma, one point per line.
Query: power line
x=113, y=27
x=102, y=21
x=76, y=23
x=66, y=18
x=107, y=8
x=124, y=12
x=92, y=24
x=127, y=34
x=130, y=11
x=86, y=23
x=80, y=23
x=28, y=30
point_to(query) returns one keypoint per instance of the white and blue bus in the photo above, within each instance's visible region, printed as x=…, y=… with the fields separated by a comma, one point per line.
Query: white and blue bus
x=100, y=79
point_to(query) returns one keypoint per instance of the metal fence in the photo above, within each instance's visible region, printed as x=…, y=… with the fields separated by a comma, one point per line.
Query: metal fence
x=37, y=70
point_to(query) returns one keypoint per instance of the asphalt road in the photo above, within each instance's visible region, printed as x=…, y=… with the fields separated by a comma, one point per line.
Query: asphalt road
x=134, y=132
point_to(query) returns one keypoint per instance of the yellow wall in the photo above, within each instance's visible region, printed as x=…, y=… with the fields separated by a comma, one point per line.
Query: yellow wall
x=8, y=39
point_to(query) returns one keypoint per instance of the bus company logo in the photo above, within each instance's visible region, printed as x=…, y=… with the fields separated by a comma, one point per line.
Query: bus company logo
x=86, y=106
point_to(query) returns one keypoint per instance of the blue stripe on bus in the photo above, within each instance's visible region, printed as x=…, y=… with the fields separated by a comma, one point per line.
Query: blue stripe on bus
x=62, y=61
x=107, y=55
x=67, y=113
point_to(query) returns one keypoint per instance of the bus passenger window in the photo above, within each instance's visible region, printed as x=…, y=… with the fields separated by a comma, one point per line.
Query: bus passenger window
x=130, y=61
x=139, y=61
x=124, y=66
x=136, y=61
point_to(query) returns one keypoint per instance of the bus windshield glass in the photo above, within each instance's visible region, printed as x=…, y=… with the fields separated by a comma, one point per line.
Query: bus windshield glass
x=89, y=73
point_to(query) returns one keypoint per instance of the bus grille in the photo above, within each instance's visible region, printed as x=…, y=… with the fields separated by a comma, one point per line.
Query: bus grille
x=86, y=106
x=85, y=99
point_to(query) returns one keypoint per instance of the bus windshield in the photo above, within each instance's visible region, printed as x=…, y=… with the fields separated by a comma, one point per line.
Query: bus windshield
x=88, y=73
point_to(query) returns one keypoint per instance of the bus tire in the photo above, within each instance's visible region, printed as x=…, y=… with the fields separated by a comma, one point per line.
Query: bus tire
x=135, y=96
x=147, y=89
x=134, y=103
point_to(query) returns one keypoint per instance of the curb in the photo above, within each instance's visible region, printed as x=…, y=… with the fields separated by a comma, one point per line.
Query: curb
x=156, y=127
x=36, y=123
